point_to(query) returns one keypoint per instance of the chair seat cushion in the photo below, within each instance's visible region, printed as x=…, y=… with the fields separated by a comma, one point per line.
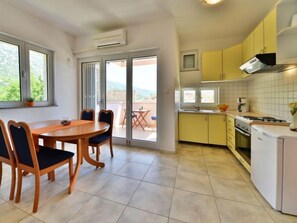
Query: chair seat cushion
x=99, y=139
x=48, y=157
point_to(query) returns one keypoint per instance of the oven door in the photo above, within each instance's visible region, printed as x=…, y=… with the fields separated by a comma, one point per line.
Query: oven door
x=243, y=144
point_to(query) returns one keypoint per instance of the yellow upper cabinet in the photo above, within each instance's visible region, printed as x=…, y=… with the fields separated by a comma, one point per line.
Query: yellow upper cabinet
x=270, y=32
x=248, y=48
x=259, y=39
x=212, y=65
x=232, y=59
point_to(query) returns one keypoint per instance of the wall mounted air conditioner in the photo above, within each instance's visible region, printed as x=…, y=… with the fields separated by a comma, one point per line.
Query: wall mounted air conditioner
x=110, y=39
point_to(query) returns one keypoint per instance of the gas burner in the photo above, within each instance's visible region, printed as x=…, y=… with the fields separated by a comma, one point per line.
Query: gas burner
x=265, y=119
x=251, y=117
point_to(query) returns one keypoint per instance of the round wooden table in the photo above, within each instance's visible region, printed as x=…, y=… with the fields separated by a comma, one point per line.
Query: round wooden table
x=52, y=130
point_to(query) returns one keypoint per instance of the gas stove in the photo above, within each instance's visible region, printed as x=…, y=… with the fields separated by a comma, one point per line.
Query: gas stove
x=262, y=120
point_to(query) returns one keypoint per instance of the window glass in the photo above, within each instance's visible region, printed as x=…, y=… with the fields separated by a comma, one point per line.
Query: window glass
x=9, y=72
x=189, y=96
x=38, y=75
x=207, y=96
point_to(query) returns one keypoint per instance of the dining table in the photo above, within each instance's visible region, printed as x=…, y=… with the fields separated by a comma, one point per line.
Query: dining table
x=52, y=131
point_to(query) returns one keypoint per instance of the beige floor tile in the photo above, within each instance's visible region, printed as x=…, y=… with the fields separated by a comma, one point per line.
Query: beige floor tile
x=233, y=190
x=224, y=171
x=125, y=154
x=193, y=154
x=279, y=217
x=144, y=157
x=119, y=189
x=30, y=219
x=48, y=190
x=99, y=210
x=166, y=160
x=11, y=214
x=193, y=182
x=132, y=215
x=175, y=221
x=62, y=207
x=161, y=175
x=134, y=170
x=234, y=212
x=258, y=195
x=153, y=198
x=113, y=165
x=192, y=166
x=192, y=207
x=93, y=182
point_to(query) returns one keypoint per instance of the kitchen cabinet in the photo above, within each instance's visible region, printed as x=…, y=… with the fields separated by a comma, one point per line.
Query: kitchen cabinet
x=193, y=127
x=269, y=24
x=211, y=65
x=248, y=48
x=230, y=134
x=222, y=64
x=202, y=128
x=232, y=60
x=259, y=39
x=217, y=129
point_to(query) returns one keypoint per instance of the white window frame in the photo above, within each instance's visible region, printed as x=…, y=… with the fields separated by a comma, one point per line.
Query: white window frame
x=198, y=97
x=24, y=64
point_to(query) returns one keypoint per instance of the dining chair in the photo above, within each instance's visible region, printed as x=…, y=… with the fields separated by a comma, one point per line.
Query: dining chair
x=98, y=140
x=85, y=114
x=133, y=116
x=38, y=161
x=7, y=156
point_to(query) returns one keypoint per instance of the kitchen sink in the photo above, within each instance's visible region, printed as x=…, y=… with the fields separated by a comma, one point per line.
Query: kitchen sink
x=199, y=111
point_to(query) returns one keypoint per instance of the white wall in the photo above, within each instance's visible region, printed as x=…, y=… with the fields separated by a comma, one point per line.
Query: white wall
x=24, y=26
x=161, y=35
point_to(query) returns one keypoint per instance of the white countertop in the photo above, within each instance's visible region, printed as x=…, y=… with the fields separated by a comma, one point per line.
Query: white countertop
x=276, y=131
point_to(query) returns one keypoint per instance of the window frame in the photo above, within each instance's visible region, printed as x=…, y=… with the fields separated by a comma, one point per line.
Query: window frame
x=198, y=97
x=24, y=72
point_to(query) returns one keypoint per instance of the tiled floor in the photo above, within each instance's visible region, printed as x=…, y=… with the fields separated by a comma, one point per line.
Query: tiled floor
x=199, y=184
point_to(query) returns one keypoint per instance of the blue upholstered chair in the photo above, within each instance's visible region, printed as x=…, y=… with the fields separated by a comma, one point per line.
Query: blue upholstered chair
x=97, y=141
x=7, y=156
x=38, y=161
x=85, y=114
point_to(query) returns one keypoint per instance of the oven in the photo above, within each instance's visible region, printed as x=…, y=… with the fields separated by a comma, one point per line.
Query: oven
x=243, y=140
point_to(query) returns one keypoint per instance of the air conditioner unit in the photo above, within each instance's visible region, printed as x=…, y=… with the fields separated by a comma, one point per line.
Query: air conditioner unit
x=110, y=39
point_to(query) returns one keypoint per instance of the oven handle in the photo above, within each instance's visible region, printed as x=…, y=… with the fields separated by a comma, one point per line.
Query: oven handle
x=242, y=132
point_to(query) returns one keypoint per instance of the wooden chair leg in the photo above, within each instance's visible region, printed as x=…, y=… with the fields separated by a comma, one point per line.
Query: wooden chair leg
x=97, y=153
x=70, y=170
x=0, y=173
x=19, y=187
x=111, y=150
x=37, y=192
x=12, y=186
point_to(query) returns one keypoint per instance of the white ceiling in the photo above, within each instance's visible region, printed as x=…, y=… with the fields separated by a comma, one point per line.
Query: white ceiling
x=194, y=21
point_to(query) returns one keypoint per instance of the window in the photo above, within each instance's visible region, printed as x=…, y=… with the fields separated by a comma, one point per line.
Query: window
x=26, y=70
x=200, y=97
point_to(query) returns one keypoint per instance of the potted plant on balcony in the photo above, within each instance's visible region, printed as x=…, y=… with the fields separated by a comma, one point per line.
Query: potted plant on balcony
x=30, y=102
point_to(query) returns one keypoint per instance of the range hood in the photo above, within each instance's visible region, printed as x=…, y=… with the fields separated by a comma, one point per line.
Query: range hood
x=264, y=63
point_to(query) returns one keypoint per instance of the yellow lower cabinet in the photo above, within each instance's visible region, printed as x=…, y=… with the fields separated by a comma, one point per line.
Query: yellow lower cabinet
x=217, y=129
x=193, y=127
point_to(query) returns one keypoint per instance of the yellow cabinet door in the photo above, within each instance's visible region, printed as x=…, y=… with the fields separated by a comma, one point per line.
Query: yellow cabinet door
x=259, y=39
x=232, y=60
x=270, y=32
x=212, y=65
x=217, y=130
x=193, y=127
x=248, y=48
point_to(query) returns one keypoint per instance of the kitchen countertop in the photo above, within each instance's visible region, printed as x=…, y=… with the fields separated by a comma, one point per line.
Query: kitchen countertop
x=276, y=131
x=209, y=111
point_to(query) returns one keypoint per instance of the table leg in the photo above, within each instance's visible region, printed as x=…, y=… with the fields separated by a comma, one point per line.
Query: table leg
x=86, y=155
x=51, y=144
x=77, y=167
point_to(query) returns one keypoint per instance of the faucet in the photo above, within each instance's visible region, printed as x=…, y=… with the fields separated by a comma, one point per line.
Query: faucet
x=197, y=107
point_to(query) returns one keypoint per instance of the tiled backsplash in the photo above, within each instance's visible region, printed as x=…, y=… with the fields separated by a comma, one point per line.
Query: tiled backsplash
x=267, y=93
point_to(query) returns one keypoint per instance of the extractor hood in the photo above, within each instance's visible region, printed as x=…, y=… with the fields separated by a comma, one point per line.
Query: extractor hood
x=264, y=63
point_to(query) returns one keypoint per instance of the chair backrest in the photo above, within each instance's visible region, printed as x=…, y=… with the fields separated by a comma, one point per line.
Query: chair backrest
x=5, y=147
x=87, y=114
x=23, y=144
x=106, y=116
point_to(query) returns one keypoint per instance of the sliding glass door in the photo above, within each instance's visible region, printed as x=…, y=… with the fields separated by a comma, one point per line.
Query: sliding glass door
x=127, y=85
